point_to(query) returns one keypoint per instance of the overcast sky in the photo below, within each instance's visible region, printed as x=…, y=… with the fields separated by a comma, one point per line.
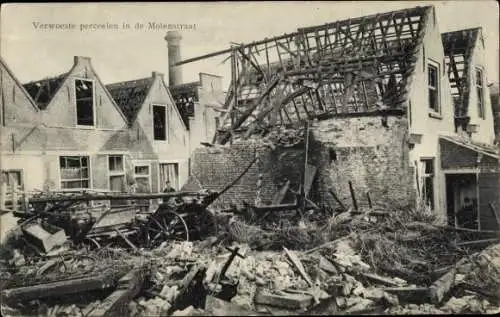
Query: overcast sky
x=119, y=55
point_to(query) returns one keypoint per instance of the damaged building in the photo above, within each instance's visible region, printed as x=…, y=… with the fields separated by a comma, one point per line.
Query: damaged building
x=72, y=132
x=381, y=109
x=350, y=168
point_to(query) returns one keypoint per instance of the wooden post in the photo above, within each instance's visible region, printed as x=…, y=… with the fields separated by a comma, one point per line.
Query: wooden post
x=337, y=199
x=14, y=197
x=494, y=212
x=302, y=201
x=369, y=199
x=353, y=196
x=3, y=193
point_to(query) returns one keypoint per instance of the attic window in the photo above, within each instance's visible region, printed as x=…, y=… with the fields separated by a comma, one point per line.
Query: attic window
x=84, y=91
x=159, y=123
x=433, y=86
x=480, y=93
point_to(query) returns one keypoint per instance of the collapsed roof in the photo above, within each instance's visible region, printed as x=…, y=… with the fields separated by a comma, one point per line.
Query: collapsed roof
x=42, y=91
x=130, y=95
x=185, y=96
x=458, y=49
x=356, y=65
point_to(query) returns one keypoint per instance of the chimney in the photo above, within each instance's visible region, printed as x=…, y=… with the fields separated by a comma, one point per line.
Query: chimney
x=173, y=39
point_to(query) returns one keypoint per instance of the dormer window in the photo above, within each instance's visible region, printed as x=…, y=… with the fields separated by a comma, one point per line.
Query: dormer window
x=433, y=86
x=84, y=92
x=480, y=93
x=159, y=123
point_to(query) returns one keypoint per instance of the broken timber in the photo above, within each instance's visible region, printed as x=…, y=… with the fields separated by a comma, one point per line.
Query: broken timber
x=128, y=287
x=439, y=288
x=64, y=287
x=110, y=196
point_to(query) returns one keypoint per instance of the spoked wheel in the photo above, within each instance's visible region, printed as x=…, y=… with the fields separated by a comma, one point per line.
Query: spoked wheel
x=167, y=225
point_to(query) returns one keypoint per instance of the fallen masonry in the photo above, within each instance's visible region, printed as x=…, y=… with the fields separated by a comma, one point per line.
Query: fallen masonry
x=348, y=271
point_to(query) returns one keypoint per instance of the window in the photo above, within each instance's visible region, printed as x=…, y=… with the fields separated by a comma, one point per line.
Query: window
x=116, y=173
x=116, y=163
x=428, y=182
x=169, y=172
x=480, y=93
x=84, y=92
x=13, y=180
x=433, y=86
x=142, y=178
x=74, y=172
x=159, y=123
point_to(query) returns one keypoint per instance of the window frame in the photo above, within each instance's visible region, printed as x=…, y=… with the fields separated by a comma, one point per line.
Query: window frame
x=21, y=177
x=94, y=117
x=115, y=173
x=429, y=175
x=437, y=89
x=166, y=122
x=148, y=175
x=88, y=178
x=481, y=109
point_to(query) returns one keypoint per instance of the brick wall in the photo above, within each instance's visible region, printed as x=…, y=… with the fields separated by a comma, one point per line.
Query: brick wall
x=214, y=168
x=454, y=156
x=372, y=153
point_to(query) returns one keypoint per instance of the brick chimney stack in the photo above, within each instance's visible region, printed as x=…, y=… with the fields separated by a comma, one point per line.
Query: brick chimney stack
x=173, y=39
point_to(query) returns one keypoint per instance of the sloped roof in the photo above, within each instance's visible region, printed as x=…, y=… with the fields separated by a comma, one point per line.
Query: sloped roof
x=475, y=146
x=458, y=50
x=18, y=83
x=185, y=95
x=42, y=91
x=130, y=95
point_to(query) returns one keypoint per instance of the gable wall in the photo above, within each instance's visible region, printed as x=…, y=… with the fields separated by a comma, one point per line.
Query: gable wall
x=61, y=111
x=17, y=108
x=485, y=132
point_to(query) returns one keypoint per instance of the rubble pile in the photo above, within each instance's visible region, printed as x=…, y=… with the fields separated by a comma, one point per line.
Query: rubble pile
x=352, y=262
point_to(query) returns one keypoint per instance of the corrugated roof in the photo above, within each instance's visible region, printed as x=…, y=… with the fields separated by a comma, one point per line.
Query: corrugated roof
x=130, y=95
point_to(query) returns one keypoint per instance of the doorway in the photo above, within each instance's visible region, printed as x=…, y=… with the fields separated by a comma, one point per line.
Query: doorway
x=462, y=201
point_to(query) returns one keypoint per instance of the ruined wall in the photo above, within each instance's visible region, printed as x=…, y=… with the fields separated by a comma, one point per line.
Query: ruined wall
x=214, y=168
x=369, y=151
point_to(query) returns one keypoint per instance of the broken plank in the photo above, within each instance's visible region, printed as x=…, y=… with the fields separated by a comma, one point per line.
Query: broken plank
x=124, y=237
x=353, y=196
x=128, y=287
x=219, y=307
x=337, y=199
x=298, y=264
x=280, y=195
x=410, y=294
x=442, y=286
x=387, y=281
x=289, y=301
x=72, y=286
x=478, y=242
x=495, y=215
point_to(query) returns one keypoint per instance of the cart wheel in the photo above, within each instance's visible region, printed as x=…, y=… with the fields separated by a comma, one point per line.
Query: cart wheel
x=168, y=225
